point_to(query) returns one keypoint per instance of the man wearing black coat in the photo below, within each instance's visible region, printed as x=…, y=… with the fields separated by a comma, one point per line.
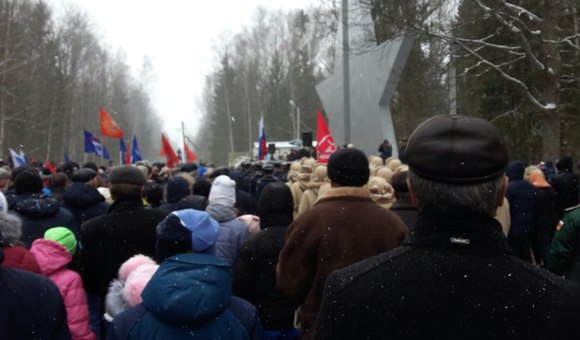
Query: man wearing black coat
x=255, y=269
x=565, y=183
x=38, y=213
x=455, y=277
x=128, y=228
x=31, y=307
x=82, y=198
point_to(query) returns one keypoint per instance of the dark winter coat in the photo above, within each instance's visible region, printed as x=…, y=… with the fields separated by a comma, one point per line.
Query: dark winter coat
x=521, y=197
x=405, y=209
x=255, y=270
x=245, y=203
x=343, y=227
x=84, y=202
x=189, y=296
x=196, y=202
x=546, y=212
x=566, y=186
x=40, y=214
x=31, y=308
x=454, y=278
x=111, y=239
x=263, y=182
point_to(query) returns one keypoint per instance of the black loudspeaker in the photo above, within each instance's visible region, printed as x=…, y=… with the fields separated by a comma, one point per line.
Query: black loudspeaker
x=272, y=148
x=307, y=139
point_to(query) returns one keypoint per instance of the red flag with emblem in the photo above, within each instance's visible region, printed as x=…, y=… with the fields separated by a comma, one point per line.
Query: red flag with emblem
x=109, y=128
x=325, y=143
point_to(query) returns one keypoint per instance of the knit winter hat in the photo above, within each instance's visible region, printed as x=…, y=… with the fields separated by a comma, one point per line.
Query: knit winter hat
x=564, y=164
x=223, y=191
x=184, y=231
x=64, y=237
x=176, y=189
x=127, y=174
x=10, y=228
x=349, y=167
x=28, y=181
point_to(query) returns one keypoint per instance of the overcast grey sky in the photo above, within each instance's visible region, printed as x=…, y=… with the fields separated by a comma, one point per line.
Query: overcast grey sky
x=177, y=36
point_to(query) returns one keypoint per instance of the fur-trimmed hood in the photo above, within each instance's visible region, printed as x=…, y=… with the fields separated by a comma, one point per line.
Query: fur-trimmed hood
x=342, y=192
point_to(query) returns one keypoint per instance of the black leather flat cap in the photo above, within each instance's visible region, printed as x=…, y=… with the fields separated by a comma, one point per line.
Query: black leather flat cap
x=456, y=149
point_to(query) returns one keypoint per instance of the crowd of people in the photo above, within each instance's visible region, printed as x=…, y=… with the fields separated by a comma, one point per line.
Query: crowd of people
x=451, y=240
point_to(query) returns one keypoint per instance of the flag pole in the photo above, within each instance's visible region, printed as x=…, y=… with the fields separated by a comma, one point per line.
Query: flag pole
x=183, y=158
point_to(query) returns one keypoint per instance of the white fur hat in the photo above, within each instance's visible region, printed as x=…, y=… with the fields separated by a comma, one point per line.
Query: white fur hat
x=223, y=191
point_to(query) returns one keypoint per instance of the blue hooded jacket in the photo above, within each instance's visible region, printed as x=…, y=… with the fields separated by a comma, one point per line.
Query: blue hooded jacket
x=189, y=297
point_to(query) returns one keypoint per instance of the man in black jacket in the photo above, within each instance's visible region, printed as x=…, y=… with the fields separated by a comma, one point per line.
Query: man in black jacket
x=455, y=277
x=109, y=240
x=31, y=306
x=565, y=183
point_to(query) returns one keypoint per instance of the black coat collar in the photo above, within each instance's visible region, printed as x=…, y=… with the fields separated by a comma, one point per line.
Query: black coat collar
x=126, y=203
x=458, y=231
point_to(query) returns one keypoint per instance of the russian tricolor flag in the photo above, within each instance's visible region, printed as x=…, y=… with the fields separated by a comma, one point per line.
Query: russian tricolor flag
x=262, y=146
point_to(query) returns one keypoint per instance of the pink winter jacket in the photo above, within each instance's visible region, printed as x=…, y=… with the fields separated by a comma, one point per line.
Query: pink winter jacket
x=52, y=259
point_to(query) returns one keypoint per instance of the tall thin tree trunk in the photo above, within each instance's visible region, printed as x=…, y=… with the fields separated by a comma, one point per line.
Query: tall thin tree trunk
x=551, y=118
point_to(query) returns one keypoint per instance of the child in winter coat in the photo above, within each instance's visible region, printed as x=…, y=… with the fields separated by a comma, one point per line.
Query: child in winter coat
x=125, y=291
x=53, y=253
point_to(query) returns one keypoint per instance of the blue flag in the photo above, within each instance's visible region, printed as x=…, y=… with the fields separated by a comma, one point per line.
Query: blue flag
x=123, y=149
x=94, y=145
x=18, y=159
x=105, y=153
x=135, y=153
x=66, y=158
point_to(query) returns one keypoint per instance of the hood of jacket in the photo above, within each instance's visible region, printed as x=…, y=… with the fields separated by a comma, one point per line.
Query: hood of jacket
x=189, y=289
x=81, y=195
x=32, y=205
x=50, y=255
x=115, y=304
x=221, y=212
x=276, y=205
x=515, y=170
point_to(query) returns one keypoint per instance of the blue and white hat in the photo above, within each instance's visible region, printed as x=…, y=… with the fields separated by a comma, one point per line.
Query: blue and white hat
x=186, y=230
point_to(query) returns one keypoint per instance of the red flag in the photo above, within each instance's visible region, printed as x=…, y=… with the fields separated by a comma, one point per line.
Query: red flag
x=50, y=167
x=167, y=150
x=190, y=155
x=108, y=126
x=325, y=143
